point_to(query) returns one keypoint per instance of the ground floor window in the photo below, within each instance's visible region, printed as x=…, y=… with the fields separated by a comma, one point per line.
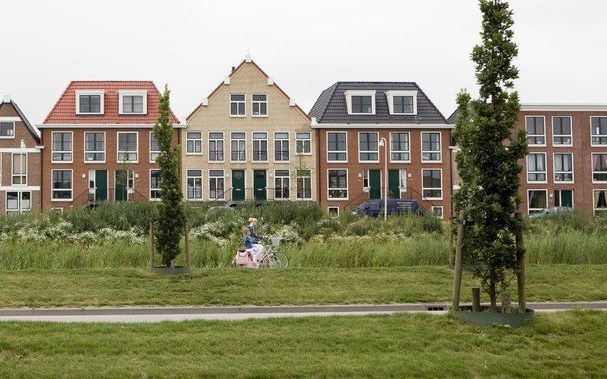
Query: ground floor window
x=563, y=198
x=304, y=185
x=154, y=184
x=600, y=200
x=338, y=184
x=334, y=211
x=216, y=184
x=18, y=202
x=432, y=185
x=537, y=200
x=194, y=184
x=437, y=211
x=281, y=184
x=61, y=185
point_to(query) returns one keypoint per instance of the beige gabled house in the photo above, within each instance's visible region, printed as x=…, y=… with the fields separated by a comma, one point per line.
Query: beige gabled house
x=248, y=141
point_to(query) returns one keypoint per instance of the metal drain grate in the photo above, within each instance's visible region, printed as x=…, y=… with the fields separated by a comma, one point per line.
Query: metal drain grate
x=437, y=308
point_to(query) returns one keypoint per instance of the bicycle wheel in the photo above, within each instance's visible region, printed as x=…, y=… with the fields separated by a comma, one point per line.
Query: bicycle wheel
x=278, y=260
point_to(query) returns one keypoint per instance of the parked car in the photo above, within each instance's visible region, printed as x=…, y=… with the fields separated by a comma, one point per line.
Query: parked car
x=374, y=208
x=552, y=212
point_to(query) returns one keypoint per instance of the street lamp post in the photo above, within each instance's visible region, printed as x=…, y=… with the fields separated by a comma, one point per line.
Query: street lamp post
x=384, y=143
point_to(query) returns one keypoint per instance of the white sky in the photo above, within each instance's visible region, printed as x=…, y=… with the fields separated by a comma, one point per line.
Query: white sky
x=304, y=45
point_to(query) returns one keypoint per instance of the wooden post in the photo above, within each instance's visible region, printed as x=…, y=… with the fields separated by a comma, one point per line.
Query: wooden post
x=186, y=244
x=457, y=279
x=520, y=275
x=151, y=258
x=476, y=299
x=506, y=303
x=451, y=250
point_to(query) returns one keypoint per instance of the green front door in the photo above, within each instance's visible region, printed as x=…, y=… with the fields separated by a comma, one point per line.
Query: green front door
x=259, y=185
x=238, y=185
x=393, y=184
x=121, y=191
x=101, y=185
x=374, y=184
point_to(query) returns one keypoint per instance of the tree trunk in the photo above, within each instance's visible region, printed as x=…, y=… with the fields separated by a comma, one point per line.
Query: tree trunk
x=457, y=277
x=520, y=275
x=492, y=294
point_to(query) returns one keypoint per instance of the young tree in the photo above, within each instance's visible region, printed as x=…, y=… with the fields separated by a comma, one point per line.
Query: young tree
x=489, y=154
x=171, y=211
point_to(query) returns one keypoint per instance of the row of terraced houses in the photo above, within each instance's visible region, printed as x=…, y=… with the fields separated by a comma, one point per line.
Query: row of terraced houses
x=249, y=141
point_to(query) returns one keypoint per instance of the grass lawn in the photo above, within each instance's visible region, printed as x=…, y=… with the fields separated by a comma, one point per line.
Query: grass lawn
x=572, y=344
x=118, y=287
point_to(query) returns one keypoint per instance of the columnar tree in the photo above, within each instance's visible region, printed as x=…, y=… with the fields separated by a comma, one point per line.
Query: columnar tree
x=489, y=154
x=171, y=210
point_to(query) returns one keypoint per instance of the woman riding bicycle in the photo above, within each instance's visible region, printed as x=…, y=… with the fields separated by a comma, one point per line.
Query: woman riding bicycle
x=257, y=248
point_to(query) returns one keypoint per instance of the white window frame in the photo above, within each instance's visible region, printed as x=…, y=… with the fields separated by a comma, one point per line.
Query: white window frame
x=561, y=135
x=130, y=181
x=329, y=208
x=95, y=152
x=442, y=192
x=408, y=152
x=594, y=200
x=9, y=121
x=243, y=102
x=223, y=146
x=123, y=93
x=152, y=152
x=259, y=140
x=282, y=140
x=282, y=178
x=257, y=102
x=194, y=140
x=529, y=209
x=329, y=189
x=436, y=207
x=592, y=167
x=407, y=93
x=154, y=188
x=239, y=141
x=297, y=177
x=402, y=180
x=536, y=135
x=302, y=141
x=554, y=172
x=351, y=93
x=118, y=151
x=545, y=172
x=71, y=189
x=20, y=209
x=336, y=151
x=592, y=144
x=21, y=174
x=71, y=152
x=99, y=93
x=440, y=147
x=360, y=152
x=223, y=177
x=559, y=190
x=201, y=177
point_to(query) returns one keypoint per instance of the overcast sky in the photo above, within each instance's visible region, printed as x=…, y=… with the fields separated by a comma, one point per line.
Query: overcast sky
x=304, y=45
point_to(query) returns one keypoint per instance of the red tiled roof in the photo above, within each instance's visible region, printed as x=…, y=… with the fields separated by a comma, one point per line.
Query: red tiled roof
x=64, y=111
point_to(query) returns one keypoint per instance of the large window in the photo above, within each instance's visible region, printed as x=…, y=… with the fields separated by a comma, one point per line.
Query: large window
x=238, y=146
x=337, y=147
x=599, y=131
x=19, y=171
x=259, y=105
x=304, y=185
x=62, y=147
x=281, y=184
x=18, y=202
x=131, y=103
x=362, y=104
x=338, y=184
x=403, y=104
x=281, y=147
x=536, y=131
x=432, y=184
x=94, y=147
x=193, y=142
x=599, y=168
x=7, y=129
x=62, y=185
x=216, y=146
x=237, y=105
x=536, y=168
x=431, y=149
x=563, y=168
x=600, y=200
x=303, y=143
x=194, y=184
x=127, y=147
x=90, y=103
x=399, y=147
x=154, y=185
x=154, y=147
x=260, y=147
x=561, y=131
x=216, y=184
x=368, y=147
x=537, y=200
x=563, y=198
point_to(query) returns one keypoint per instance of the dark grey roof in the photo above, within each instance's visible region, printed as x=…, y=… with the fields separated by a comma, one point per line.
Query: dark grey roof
x=451, y=119
x=331, y=108
x=29, y=126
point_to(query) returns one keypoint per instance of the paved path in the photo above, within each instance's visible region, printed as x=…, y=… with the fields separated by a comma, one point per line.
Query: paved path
x=156, y=314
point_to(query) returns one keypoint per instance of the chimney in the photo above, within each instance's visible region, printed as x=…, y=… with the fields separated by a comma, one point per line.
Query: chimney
x=233, y=68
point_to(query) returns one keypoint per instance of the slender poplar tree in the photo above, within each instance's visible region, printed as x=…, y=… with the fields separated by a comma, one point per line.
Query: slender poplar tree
x=171, y=210
x=489, y=153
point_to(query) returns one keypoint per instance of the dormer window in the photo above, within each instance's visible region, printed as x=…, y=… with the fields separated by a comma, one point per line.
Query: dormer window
x=89, y=102
x=133, y=102
x=360, y=102
x=402, y=102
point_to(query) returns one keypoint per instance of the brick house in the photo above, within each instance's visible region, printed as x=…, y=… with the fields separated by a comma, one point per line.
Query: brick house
x=354, y=120
x=20, y=155
x=99, y=145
